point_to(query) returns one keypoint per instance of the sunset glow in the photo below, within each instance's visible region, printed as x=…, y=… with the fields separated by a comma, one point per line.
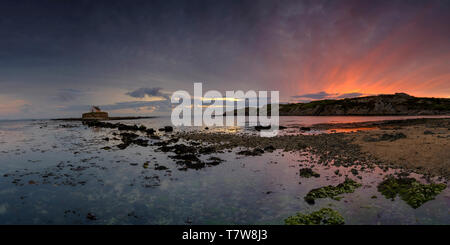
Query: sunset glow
x=131, y=57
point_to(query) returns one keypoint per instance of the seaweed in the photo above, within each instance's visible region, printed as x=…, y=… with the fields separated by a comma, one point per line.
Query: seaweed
x=325, y=216
x=410, y=190
x=348, y=186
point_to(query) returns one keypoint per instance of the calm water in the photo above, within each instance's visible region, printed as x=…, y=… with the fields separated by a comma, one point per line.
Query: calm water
x=58, y=175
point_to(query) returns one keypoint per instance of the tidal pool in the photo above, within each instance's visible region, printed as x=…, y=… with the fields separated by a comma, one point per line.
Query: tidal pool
x=54, y=172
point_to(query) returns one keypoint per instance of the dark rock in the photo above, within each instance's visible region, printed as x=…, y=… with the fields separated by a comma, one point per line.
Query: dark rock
x=259, y=128
x=269, y=148
x=207, y=150
x=254, y=152
x=91, y=216
x=308, y=173
x=161, y=167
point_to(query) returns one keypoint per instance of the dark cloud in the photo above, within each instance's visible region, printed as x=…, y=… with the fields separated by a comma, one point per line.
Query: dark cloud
x=349, y=95
x=67, y=95
x=314, y=96
x=161, y=105
x=142, y=92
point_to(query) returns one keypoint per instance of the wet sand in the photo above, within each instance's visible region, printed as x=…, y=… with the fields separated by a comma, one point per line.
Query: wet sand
x=424, y=148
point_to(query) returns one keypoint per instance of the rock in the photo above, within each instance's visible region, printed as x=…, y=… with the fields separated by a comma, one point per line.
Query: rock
x=91, y=216
x=308, y=173
x=259, y=128
x=348, y=186
x=427, y=132
x=161, y=167
x=410, y=190
x=254, y=152
x=305, y=128
x=207, y=150
x=325, y=216
x=269, y=148
x=166, y=129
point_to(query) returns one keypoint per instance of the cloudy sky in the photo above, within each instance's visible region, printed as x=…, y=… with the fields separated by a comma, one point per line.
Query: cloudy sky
x=59, y=57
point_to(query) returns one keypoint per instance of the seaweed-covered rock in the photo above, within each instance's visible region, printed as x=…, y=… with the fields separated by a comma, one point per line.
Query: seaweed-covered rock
x=308, y=173
x=354, y=171
x=254, y=152
x=410, y=190
x=348, y=186
x=325, y=216
x=189, y=161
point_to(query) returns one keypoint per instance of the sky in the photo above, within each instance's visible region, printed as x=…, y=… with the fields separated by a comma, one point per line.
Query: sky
x=57, y=58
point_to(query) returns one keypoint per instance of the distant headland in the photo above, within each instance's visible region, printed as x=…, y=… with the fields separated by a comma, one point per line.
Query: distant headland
x=400, y=104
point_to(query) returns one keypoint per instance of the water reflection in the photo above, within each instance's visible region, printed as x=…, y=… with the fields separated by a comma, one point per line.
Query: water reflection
x=58, y=175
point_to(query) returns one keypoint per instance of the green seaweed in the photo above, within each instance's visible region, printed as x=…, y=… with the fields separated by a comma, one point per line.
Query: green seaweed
x=348, y=186
x=325, y=216
x=308, y=173
x=410, y=190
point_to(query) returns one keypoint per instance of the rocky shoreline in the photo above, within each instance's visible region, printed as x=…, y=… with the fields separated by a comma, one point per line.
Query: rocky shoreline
x=358, y=148
x=352, y=151
x=325, y=164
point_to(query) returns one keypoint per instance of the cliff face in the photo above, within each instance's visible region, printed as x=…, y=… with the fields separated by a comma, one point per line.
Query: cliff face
x=396, y=104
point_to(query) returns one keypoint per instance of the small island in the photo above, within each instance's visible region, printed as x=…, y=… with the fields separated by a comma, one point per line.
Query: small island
x=95, y=114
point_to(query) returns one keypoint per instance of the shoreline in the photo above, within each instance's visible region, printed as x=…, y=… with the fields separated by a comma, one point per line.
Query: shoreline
x=412, y=145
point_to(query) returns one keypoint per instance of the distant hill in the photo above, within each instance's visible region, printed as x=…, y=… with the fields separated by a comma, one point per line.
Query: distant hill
x=386, y=104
